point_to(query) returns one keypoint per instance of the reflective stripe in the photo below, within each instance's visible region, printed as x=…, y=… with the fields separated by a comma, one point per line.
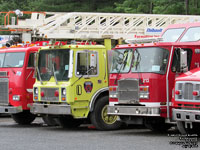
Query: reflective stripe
x=113, y=103
x=150, y=104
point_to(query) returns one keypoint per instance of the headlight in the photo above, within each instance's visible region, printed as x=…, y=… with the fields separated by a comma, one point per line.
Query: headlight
x=113, y=91
x=144, y=95
x=16, y=97
x=64, y=92
x=144, y=92
x=113, y=95
x=36, y=91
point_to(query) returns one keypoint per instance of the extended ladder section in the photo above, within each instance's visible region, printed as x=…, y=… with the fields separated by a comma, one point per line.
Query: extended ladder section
x=81, y=25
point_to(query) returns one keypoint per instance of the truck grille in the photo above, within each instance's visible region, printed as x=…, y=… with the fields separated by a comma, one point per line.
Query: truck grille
x=49, y=95
x=3, y=90
x=186, y=89
x=3, y=73
x=128, y=91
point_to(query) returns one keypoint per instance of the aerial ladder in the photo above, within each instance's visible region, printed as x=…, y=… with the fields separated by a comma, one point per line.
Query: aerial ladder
x=83, y=25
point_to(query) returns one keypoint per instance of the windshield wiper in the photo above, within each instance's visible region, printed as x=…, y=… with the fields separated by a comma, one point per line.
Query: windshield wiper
x=138, y=59
x=83, y=75
x=11, y=68
x=53, y=68
x=137, y=64
x=37, y=69
x=122, y=64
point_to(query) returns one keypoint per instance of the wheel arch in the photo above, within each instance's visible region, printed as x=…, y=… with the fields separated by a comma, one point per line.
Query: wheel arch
x=100, y=93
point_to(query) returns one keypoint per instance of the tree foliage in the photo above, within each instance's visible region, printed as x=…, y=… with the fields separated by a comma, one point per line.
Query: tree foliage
x=191, y=7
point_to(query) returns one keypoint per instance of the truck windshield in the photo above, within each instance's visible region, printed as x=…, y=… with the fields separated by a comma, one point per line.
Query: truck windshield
x=12, y=60
x=54, y=63
x=151, y=59
x=172, y=35
x=121, y=60
x=191, y=35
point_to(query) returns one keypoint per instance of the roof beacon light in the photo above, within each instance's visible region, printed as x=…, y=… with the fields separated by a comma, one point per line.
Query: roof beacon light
x=18, y=13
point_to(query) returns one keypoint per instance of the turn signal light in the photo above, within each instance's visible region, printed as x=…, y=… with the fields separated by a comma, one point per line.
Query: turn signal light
x=177, y=92
x=144, y=88
x=56, y=93
x=195, y=93
x=42, y=94
x=112, y=88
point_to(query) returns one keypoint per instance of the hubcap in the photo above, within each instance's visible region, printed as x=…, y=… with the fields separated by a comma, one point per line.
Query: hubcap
x=108, y=119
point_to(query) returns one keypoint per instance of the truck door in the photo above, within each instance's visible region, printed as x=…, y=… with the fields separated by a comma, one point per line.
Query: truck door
x=87, y=74
x=29, y=76
x=175, y=69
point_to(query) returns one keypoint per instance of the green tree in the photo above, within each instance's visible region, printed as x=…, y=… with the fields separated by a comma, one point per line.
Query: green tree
x=184, y=7
x=194, y=7
x=169, y=7
x=135, y=6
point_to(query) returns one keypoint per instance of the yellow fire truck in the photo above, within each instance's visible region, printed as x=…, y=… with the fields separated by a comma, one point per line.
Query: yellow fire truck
x=72, y=85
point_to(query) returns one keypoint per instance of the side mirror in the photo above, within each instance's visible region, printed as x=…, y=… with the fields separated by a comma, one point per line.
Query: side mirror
x=93, y=60
x=183, y=61
x=35, y=59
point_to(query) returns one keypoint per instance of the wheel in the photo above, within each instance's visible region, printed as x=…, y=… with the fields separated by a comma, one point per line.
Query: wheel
x=24, y=117
x=69, y=122
x=157, y=124
x=183, y=130
x=99, y=117
x=49, y=120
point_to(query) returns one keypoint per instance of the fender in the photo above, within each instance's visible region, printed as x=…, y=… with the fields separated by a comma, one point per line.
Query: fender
x=95, y=96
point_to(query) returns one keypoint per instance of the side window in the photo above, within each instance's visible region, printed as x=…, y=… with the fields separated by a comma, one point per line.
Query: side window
x=176, y=60
x=87, y=63
x=31, y=60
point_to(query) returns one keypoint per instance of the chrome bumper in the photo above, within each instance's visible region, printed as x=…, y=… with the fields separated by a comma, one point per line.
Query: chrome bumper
x=53, y=109
x=186, y=115
x=10, y=109
x=134, y=111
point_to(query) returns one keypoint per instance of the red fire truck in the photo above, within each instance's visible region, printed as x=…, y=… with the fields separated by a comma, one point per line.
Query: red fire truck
x=186, y=104
x=16, y=82
x=142, y=76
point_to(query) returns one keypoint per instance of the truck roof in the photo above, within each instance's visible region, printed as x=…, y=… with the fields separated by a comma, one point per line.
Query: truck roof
x=159, y=44
x=183, y=33
x=183, y=25
x=21, y=49
x=74, y=47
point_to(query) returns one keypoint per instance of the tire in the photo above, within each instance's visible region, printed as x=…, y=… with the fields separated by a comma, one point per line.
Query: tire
x=49, y=120
x=99, y=117
x=69, y=122
x=183, y=130
x=157, y=124
x=24, y=118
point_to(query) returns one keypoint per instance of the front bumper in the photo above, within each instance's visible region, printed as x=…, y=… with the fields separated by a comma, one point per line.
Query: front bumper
x=186, y=115
x=10, y=109
x=134, y=111
x=53, y=109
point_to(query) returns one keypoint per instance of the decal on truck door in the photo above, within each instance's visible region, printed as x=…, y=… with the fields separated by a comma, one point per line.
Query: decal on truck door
x=88, y=86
